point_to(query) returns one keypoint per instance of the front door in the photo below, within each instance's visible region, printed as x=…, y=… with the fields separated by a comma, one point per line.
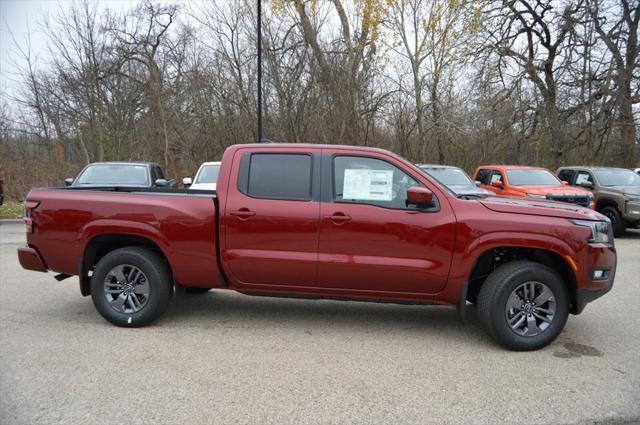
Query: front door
x=370, y=239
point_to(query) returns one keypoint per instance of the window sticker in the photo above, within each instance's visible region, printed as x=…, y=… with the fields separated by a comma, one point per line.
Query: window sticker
x=582, y=178
x=368, y=185
x=496, y=178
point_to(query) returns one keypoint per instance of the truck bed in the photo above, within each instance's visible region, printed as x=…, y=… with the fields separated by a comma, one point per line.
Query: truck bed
x=179, y=222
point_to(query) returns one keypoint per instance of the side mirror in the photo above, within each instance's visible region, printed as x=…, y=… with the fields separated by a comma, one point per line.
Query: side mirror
x=420, y=196
x=478, y=183
x=162, y=182
x=497, y=183
x=565, y=183
x=187, y=181
x=68, y=181
x=587, y=185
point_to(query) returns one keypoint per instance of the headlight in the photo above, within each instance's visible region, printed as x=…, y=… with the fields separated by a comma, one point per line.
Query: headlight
x=601, y=231
x=533, y=195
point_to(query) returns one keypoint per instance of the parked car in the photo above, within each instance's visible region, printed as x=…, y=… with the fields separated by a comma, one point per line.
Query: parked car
x=532, y=182
x=206, y=177
x=323, y=221
x=130, y=174
x=616, y=191
x=455, y=179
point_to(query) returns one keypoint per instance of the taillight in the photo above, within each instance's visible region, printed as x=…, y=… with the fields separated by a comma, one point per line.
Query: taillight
x=28, y=220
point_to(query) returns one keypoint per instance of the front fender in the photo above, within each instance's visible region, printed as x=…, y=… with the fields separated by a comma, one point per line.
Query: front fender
x=465, y=257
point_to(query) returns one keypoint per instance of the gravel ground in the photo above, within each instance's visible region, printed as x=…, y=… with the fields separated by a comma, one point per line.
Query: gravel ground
x=228, y=358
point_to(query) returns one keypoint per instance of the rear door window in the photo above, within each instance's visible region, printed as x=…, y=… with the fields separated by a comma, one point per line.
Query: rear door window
x=566, y=175
x=279, y=176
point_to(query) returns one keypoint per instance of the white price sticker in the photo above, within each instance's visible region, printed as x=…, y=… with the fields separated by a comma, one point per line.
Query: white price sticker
x=368, y=185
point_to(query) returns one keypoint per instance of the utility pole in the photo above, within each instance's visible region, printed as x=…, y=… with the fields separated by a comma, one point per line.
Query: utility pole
x=259, y=71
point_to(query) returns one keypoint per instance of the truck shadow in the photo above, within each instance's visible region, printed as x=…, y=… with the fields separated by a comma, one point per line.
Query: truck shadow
x=225, y=309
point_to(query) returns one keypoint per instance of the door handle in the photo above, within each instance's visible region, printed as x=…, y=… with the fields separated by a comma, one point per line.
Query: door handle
x=243, y=213
x=338, y=217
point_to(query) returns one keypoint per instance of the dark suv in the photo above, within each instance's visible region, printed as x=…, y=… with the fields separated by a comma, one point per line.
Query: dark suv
x=616, y=192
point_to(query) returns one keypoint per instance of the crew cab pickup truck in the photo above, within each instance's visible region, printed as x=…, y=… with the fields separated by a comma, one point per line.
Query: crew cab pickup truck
x=531, y=182
x=322, y=221
x=616, y=190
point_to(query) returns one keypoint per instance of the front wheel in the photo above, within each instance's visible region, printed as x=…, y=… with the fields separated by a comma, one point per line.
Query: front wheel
x=131, y=287
x=523, y=305
x=617, y=222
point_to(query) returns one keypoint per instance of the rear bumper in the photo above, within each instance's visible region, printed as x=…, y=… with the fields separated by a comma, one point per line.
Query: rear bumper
x=30, y=259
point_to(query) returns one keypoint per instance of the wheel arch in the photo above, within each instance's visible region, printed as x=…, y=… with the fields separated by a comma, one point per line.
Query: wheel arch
x=102, y=244
x=494, y=257
x=606, y=202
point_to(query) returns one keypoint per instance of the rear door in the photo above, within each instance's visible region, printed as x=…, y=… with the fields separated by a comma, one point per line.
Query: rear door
x=271, y=217
x=370, y=240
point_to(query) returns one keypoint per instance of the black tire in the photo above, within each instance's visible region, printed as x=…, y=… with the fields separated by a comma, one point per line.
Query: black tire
x=503, y=284
x=617, y=222
x=196, y=290
x=158, y=284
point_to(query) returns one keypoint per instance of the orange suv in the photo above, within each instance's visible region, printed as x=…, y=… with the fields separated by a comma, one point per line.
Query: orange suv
x=532, y=182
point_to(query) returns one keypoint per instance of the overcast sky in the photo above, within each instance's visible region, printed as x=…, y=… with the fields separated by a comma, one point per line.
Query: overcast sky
x=23, y=18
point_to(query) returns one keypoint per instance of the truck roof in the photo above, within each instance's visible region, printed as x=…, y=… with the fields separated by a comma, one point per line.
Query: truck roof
x=436, y=166
x=305, y=146
x=513, y=167
x=124, y=163
x=590, y=167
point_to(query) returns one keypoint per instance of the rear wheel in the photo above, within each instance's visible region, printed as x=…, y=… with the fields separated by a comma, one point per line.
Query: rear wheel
x=523, y=305
x=131, y=287
x=617, y=222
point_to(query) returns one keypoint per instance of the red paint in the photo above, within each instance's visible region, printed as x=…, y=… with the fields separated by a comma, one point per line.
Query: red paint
x=30, y=259
x=317, y=247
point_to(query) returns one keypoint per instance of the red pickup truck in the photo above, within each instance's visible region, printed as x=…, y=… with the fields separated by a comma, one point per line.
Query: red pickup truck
x=336, y=222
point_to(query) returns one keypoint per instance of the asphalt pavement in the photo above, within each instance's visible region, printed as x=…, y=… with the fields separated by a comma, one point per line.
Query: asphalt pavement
x=224, y=358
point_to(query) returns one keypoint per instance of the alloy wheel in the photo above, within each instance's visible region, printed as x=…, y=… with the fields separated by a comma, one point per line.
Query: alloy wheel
x=530, y=309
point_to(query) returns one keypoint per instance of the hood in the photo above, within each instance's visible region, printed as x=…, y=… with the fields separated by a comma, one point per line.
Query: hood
x=553, y=190
x=469, y=189
x=626, y=190
x=540, y=207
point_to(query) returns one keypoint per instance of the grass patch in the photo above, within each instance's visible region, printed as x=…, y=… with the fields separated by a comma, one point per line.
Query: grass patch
x=11, y=209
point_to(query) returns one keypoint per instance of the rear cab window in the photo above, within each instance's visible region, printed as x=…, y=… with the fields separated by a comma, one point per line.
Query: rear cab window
x=285, y=176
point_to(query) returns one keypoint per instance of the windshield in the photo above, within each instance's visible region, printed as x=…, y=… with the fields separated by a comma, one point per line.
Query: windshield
x=449, y=176
x=208, y=174
x=532, y=178
x=114, y=174
x=618, y=178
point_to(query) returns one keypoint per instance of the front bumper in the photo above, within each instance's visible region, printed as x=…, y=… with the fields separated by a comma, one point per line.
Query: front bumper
x=600, y=259
x=30, y=259
x=632, y=211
